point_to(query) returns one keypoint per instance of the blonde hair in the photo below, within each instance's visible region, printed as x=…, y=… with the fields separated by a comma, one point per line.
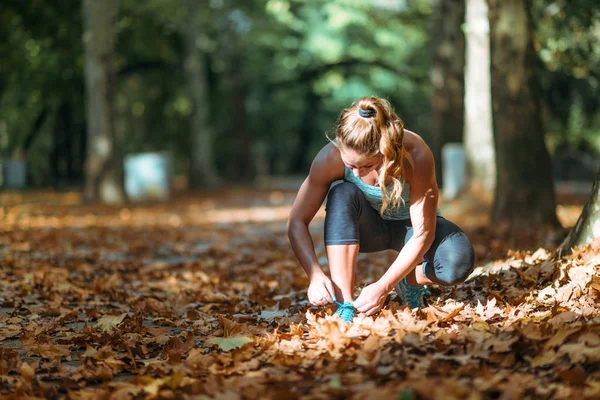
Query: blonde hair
x=371, y=126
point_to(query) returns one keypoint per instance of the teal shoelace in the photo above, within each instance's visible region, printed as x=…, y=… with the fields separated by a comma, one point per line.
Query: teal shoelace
x=412, y=295
x=345, y=311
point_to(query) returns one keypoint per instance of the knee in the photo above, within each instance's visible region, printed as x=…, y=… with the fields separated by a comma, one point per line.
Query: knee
x=456, y=266
x=345, y=193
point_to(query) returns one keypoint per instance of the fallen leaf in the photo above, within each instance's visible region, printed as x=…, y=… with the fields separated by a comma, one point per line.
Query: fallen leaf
x=559, y=338
x=230, y=343
x=109, y=322
x=576, y=376
x=27, y=372
x=544, y=359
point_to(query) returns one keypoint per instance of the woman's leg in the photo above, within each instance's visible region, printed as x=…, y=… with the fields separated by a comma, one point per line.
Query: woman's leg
x=342, y=259
x=416, y=277
x=353, y=226
x=449, y=260
x=349, y=217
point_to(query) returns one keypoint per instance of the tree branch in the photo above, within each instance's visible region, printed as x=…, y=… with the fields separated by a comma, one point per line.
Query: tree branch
x=313, y=73
x=144, y=66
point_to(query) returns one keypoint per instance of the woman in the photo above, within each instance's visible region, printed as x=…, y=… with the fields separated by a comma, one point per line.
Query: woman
x=388, y=200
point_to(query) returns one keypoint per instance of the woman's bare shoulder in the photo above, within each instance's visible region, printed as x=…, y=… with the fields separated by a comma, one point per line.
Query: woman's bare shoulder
x=327, y=165
x=421, y=163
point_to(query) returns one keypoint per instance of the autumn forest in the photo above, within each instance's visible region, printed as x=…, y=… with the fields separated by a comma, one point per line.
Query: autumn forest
x=150, y=154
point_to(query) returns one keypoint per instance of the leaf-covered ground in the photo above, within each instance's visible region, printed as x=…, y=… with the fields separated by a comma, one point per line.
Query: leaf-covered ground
x=202, y=298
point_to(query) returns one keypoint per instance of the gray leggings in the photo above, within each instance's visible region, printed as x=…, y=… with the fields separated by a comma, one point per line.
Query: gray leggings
x=350, y=219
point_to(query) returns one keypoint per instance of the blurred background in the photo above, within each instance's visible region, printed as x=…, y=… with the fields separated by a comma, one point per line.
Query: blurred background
x=226, y=92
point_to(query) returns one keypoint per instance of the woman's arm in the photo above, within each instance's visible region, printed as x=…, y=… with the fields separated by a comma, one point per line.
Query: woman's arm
x=326, y=168
x=423, y=206
x=424, y=197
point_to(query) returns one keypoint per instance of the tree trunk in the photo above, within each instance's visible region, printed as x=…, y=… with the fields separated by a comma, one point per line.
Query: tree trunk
x=587, y=228
x=104, y=169
x=312, y=104
x=478, y=134
x=524, y=192
x=80, y=160
x=241, y=164
x=447, y=76
x=58, y=142
x=61, y=155
x=203, y=170
x=35, y=129
x=68, y=156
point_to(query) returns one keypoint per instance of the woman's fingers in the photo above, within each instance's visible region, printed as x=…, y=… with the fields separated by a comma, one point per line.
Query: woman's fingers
x=331, y=290
x=360, y=305
x=328, y=292
x=324, y=294
x=368, y=309
x=320, y=297
x=315, y=298
x=318, y=302
x=363, y=307
x=372, y=311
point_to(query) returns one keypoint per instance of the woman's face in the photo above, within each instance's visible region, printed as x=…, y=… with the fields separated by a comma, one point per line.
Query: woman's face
x=360, y=164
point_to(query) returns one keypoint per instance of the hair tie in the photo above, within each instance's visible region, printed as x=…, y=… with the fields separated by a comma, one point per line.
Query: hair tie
x=366, y=113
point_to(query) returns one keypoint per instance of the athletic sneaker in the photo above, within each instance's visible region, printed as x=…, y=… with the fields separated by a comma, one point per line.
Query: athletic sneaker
x=345, y=311
x=411, y=295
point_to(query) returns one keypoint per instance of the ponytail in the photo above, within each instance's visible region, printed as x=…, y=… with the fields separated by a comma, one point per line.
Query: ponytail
x=393, y=151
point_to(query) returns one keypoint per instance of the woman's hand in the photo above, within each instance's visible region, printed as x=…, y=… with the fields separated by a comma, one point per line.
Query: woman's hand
x=371, y=298
x=320, y=290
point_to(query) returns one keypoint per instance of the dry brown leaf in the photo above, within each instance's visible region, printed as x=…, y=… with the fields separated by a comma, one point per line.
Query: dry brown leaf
x=559, y=338
x=109, y=322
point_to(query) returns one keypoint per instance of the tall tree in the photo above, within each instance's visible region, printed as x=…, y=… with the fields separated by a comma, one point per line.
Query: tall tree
x=312, y=103
x=524, y=193
x=587, y=228
x=447, y=76
x=104, y=167
x=478, y=132
x=236, y=86
x=203, y=169
x=62, y=155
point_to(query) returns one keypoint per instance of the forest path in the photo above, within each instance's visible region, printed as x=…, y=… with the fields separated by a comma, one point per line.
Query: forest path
x=203, y=296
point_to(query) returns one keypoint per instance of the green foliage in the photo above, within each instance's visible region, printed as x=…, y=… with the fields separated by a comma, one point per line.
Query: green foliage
x=296, y=64
x=407, y=394
x=567, y=41
x=40, y=63
x=568, y=34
